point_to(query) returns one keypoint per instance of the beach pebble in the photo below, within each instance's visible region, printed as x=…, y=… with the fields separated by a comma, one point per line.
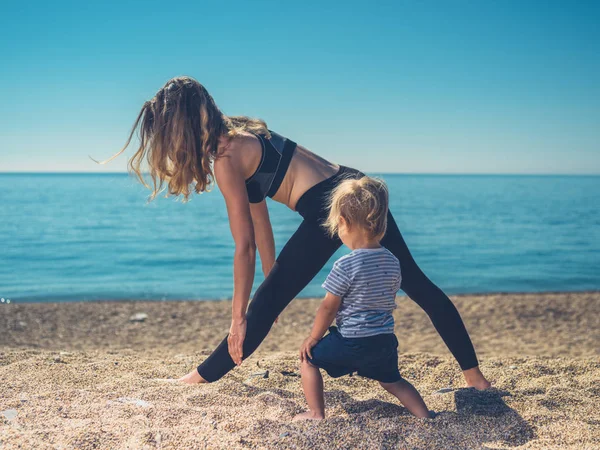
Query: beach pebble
x=512, y=367
x=288, y=373
x=262, y=374
x=138, y=317
x=443, y=390
x=284, y=434
x=65, y=353
x=10, y=414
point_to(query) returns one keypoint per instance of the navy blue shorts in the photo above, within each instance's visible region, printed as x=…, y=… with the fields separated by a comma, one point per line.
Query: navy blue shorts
x=374, y=357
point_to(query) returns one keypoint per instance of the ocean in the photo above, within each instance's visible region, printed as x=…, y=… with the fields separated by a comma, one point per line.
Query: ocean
x=84, y=237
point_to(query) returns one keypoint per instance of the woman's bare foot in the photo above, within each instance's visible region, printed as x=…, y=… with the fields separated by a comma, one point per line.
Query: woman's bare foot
x=192, y=378
x=475, y=378
x=308, y=415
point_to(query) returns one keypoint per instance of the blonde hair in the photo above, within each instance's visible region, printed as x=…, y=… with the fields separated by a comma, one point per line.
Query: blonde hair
x=362, y=203
x=179, y=130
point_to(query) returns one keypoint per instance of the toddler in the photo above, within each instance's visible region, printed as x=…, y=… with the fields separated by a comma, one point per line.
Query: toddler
x=361, y=292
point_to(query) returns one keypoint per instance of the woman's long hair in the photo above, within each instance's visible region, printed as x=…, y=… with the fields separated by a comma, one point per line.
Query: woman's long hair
x=179, y=130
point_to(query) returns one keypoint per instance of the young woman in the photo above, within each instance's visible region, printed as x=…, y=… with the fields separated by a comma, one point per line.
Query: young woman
x=189, y=143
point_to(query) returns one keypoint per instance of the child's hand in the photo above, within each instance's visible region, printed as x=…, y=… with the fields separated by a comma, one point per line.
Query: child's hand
x=306, y=347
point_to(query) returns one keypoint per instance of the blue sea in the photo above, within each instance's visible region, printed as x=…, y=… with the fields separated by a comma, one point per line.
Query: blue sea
x=83, y=237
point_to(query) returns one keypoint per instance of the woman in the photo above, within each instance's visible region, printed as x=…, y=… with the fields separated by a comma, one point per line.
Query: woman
x=187, y=141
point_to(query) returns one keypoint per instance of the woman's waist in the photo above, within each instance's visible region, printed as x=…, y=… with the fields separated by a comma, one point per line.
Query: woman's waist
x=305, y=170
x=313, y=202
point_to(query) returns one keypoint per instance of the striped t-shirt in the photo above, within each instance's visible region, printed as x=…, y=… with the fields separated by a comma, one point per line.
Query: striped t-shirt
x=367, y=279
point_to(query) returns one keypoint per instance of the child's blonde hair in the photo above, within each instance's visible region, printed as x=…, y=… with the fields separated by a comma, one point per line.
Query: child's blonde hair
x=362, y=203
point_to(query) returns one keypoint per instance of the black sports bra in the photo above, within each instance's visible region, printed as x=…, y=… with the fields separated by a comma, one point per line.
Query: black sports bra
x=276, y=156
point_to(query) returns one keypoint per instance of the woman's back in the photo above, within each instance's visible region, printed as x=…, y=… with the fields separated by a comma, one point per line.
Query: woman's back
x=304, y=168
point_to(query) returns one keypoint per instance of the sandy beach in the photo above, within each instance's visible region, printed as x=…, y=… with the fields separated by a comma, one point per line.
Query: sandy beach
x=97, y=376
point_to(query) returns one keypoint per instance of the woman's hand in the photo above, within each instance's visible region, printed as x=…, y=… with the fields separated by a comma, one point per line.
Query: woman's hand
x=306, y=347
x=235, y=340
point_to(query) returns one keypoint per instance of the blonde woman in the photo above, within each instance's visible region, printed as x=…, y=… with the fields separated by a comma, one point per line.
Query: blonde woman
x=189, y=143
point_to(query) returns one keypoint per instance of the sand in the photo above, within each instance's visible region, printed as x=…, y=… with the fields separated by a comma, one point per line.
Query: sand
x=82, y=375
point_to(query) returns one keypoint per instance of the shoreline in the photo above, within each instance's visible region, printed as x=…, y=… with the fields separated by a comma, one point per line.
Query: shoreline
x=142, y=300
x=555, y=324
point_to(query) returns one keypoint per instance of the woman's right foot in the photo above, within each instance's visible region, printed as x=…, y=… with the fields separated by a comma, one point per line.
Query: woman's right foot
x=192, y=378
x=475, y=378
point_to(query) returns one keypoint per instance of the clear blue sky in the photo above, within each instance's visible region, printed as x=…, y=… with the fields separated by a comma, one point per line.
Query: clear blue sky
x=404, y=86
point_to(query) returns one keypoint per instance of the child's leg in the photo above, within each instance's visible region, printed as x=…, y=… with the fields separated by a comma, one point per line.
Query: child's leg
x=312, y=384
x=408, y=396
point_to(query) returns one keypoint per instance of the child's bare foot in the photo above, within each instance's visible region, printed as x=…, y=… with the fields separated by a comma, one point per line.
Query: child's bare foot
x=308, y=415
x=475, y=378
x=192, y=378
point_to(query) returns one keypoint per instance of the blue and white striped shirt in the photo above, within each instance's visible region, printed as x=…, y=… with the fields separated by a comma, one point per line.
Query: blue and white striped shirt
x=367, y=279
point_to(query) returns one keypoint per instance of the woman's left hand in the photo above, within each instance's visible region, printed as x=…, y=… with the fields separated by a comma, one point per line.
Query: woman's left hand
x=235, y=340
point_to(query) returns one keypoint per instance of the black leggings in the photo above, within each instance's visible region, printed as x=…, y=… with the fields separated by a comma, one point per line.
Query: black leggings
x=301, y=259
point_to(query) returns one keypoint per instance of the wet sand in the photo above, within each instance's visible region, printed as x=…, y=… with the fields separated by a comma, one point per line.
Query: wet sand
x=85, y=375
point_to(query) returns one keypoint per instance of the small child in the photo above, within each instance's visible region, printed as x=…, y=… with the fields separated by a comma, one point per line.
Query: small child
x=361, y=293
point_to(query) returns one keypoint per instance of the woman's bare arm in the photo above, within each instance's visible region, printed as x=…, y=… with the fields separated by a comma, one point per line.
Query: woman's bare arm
x=230, y=179
x=263, y=235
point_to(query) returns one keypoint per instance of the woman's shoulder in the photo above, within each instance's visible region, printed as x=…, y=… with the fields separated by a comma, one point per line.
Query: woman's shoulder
x=232, y=144
x=242, y=150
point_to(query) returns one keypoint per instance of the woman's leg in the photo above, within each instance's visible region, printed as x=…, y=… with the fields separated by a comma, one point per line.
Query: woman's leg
x=300, y=260
x=435, y=303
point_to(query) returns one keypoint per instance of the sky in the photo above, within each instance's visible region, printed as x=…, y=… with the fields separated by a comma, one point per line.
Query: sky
x=403, y=86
